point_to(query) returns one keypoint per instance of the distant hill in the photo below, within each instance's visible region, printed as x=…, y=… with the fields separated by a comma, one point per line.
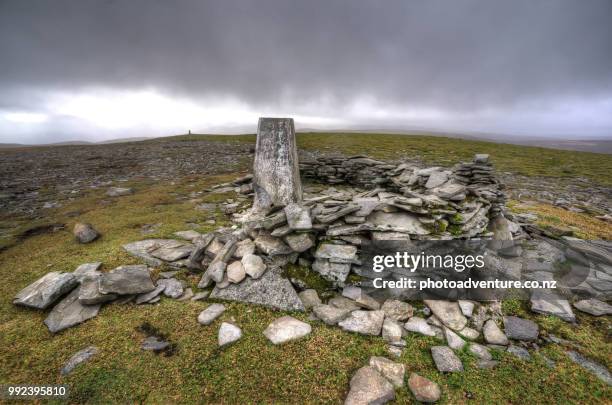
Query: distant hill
x=69, y=143
x=11, y=145
x=122, y=140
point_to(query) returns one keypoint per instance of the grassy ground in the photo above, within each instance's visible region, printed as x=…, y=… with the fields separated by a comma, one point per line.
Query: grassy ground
x=315, y=369
x=557, y=219
x=525, y=160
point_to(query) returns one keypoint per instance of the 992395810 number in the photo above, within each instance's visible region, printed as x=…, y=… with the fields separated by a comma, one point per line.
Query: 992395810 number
x=34, y=391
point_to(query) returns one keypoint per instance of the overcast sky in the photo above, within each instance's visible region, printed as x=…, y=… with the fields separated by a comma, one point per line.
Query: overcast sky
x=101, y=69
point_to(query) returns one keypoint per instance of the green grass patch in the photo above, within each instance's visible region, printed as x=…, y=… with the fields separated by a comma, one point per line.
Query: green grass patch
x=524, y=160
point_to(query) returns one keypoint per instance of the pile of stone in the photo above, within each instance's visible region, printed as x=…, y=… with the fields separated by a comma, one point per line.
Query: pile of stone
x=465, y=179
x=78, y=296
x=360, y=171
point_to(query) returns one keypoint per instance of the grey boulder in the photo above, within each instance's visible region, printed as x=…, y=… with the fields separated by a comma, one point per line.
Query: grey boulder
x=85, y=233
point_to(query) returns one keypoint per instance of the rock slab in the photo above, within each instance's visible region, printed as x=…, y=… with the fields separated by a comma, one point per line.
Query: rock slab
x=124, y=280
x=70, y=312
x=271, y=290
x=46, y=290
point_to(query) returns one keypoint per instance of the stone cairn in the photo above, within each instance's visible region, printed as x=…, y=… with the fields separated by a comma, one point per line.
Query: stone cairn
x=323, y=228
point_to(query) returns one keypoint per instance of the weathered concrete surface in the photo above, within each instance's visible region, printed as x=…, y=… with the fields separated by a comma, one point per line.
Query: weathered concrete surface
x=276, y=170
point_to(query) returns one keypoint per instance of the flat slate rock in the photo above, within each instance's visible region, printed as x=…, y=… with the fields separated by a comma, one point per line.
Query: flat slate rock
x=78, y=358
x=550, y=303
x=368, y=386
x=270, y=290
x=594, y=307
x=154, y=344
x=520, y=329
x=336, y=253
x=46, y=290
x=89, y=293
x=448, y=312
x=172, y=254
x=149, y=296
x=364, y=322
x=70, y=312
x=141, y=249
x=446, y=360
x=599, y=370
x=285, y=329
x=173, y=288
x=124, y=280
x=87, y=270
x=189, y=235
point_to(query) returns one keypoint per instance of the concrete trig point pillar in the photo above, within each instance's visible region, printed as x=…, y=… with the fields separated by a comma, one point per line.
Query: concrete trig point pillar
x=276, y=171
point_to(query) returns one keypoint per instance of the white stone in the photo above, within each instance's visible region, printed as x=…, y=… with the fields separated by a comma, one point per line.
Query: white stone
x=228, y=333
x=285, y=329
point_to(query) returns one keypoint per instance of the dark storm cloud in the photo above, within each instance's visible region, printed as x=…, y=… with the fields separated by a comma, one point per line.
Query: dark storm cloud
x=452, y=56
